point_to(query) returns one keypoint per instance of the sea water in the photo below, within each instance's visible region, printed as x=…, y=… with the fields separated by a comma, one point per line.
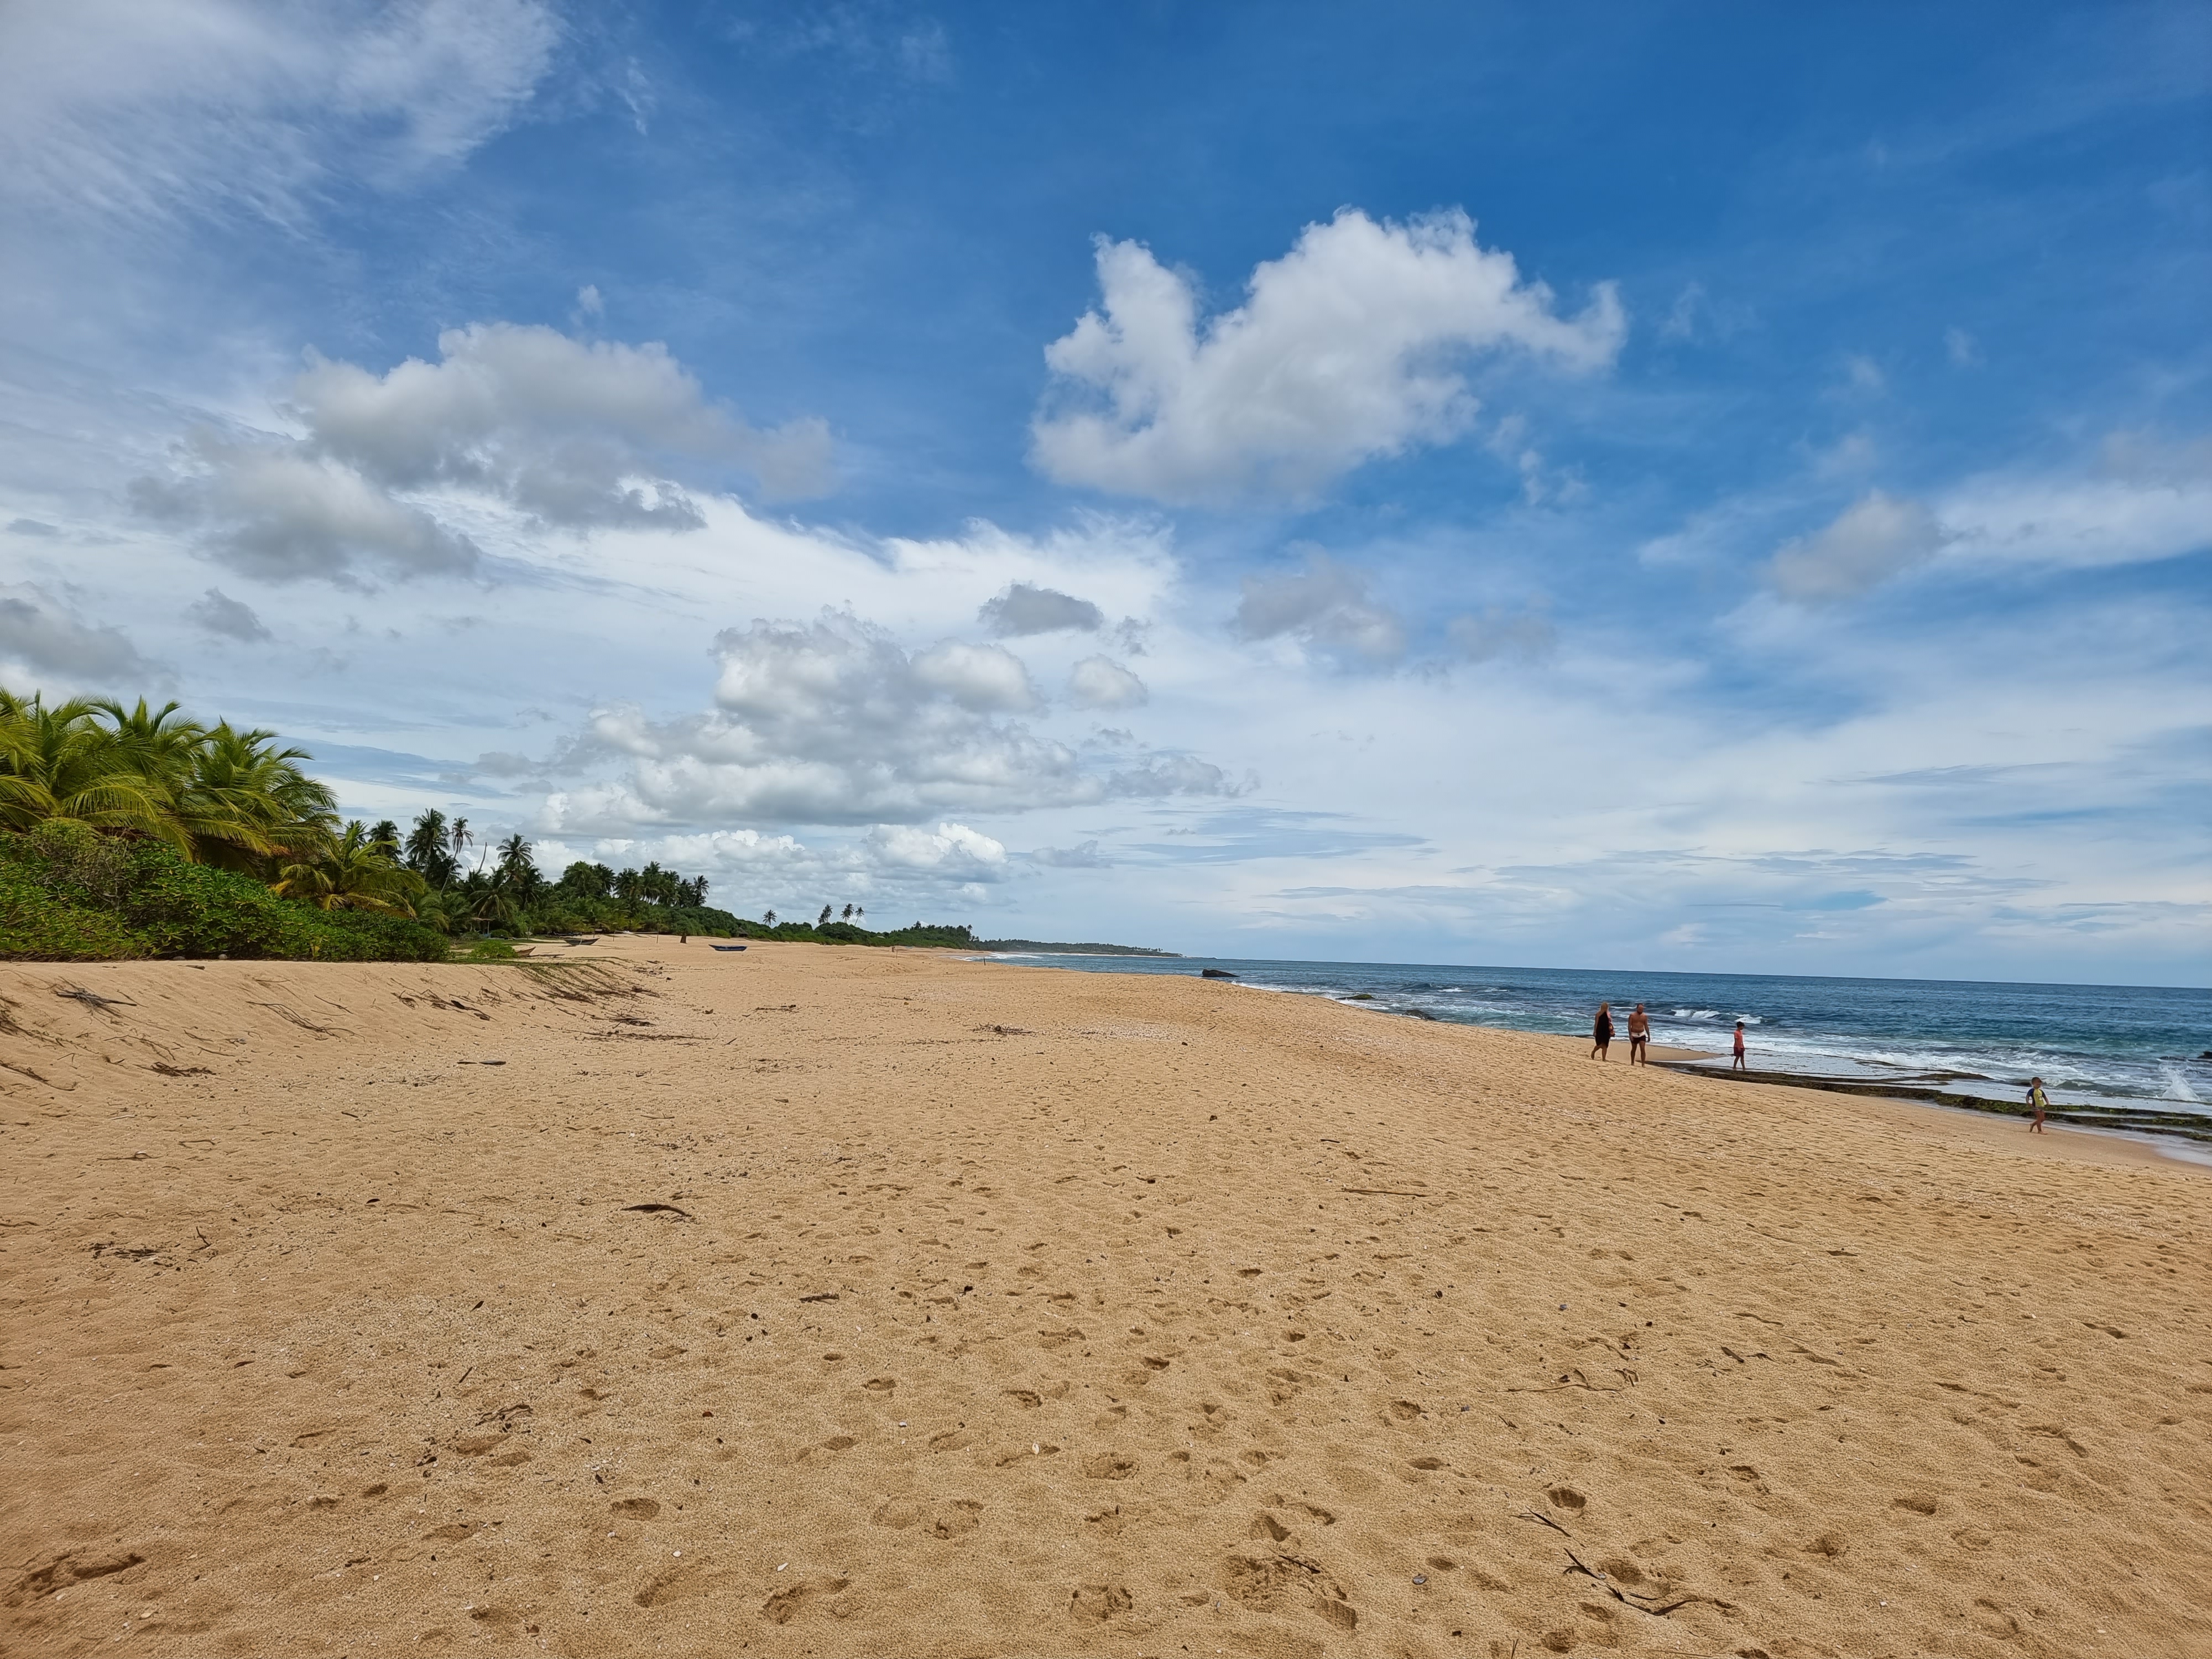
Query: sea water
x=2091, y=1044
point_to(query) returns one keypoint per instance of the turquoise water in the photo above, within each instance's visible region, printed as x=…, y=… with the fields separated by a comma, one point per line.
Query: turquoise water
x=2091, y=1044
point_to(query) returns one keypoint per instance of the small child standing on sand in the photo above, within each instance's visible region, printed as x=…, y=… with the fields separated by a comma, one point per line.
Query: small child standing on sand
x=2036, y=1099
x=1737, y=1064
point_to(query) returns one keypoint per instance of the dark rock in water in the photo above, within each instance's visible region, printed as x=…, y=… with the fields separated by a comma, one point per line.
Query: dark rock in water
x=2207, y=1054
x=1420, y=1014
x=1361, y=996
x=1215, y=973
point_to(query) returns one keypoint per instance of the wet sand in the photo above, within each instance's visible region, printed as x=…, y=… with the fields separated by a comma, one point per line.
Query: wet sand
x=851, y=1301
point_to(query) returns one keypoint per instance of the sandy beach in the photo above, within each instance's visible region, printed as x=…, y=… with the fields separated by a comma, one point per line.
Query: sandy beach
x=814, y=1301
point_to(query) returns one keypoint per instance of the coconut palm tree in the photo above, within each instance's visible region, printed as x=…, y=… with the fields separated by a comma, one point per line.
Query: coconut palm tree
x=58, y=763
x=425, y=848
x=247, y=801
x=352, y=873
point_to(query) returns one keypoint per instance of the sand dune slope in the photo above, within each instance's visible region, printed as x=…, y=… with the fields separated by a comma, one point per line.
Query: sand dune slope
x=846, y=1302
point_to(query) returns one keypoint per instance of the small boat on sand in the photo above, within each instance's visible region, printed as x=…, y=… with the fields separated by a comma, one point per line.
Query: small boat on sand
x=725, y=947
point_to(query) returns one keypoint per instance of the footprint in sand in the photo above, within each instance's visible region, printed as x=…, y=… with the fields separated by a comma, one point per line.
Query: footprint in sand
x=634, y=1509
x=1568, y=1498
x=880, y=1384
x=1108, y=1466
x=1918, y=1502
x=787, y=1605
x=1094, y=1604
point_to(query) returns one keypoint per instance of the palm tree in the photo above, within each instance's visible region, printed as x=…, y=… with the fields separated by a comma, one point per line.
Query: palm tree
x=424, y=849
x=58, y=763
x=352, y=873
x=247, y=800
x=461, y=837
x=769, y=920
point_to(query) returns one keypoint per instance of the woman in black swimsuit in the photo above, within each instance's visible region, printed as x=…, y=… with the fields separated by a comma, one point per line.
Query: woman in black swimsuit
x=1602, y=1033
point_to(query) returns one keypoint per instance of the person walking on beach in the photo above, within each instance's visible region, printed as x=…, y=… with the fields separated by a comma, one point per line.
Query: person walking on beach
x=2037, y=1100
x=1737, y=1064
x=1601, y=1032
x=1639, y=1037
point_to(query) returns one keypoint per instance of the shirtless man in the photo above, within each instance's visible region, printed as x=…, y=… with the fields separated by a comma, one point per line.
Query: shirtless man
x=1639, y=1037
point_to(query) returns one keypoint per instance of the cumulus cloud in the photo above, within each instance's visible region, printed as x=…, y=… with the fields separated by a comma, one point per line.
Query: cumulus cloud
x=573, y=433
x=140, y=110
x=218, y=614
x=1026, y=609
x=833, y=722
x=1876, y=538
x=1349, y=346
x=42, y=641
x=1325, y=606
x=980, y=678
x=952, y=850
x=279, y=513
x=1102, y=683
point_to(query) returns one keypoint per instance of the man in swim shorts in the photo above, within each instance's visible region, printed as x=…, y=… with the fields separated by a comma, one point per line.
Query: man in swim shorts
x=1737, y=1064
x=1639, y=1037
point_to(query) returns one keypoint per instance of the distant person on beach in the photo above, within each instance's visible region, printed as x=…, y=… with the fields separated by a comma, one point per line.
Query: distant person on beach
x=2037, y=1099
x=1639, y=1037
x=1601, y=1032
x=1737, y=1064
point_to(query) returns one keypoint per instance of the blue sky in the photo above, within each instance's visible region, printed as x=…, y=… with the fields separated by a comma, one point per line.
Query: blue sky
x=1615, y=485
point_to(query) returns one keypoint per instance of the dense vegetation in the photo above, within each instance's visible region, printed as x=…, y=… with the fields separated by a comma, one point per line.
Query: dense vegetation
x=137, y=832
x=70, y=894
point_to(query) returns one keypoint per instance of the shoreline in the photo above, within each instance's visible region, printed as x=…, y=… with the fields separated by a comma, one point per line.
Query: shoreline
x=862, y=1302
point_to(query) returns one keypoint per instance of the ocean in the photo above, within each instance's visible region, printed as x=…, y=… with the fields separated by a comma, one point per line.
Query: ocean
x=2093, y=1045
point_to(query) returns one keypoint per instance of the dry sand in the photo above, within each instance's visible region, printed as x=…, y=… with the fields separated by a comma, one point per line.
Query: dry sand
x=852, y=1301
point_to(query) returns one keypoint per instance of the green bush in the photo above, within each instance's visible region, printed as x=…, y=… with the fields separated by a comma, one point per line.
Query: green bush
x=69, y=895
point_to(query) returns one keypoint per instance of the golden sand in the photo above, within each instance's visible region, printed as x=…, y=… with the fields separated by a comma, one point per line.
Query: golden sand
x=875, y=1302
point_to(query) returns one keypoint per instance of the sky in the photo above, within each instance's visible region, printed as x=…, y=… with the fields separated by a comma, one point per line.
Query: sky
x=1698, y=488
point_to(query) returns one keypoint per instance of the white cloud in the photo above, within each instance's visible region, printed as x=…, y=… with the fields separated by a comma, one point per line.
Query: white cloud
x=280, y=512
x=218, y=614
x=2153, y=501
x=1496, y=634
x=1963, y=350
x=1084, y=855
x=952, y=850
x=564, y=429
x=1026, y=609
x=149, y=110
x=1102, y=683
x=832, y=723
x=980, y=678
x=44, y=644
x=1325, y=606
x=1873, y=539
x=1348, y=347
x=571, y=434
